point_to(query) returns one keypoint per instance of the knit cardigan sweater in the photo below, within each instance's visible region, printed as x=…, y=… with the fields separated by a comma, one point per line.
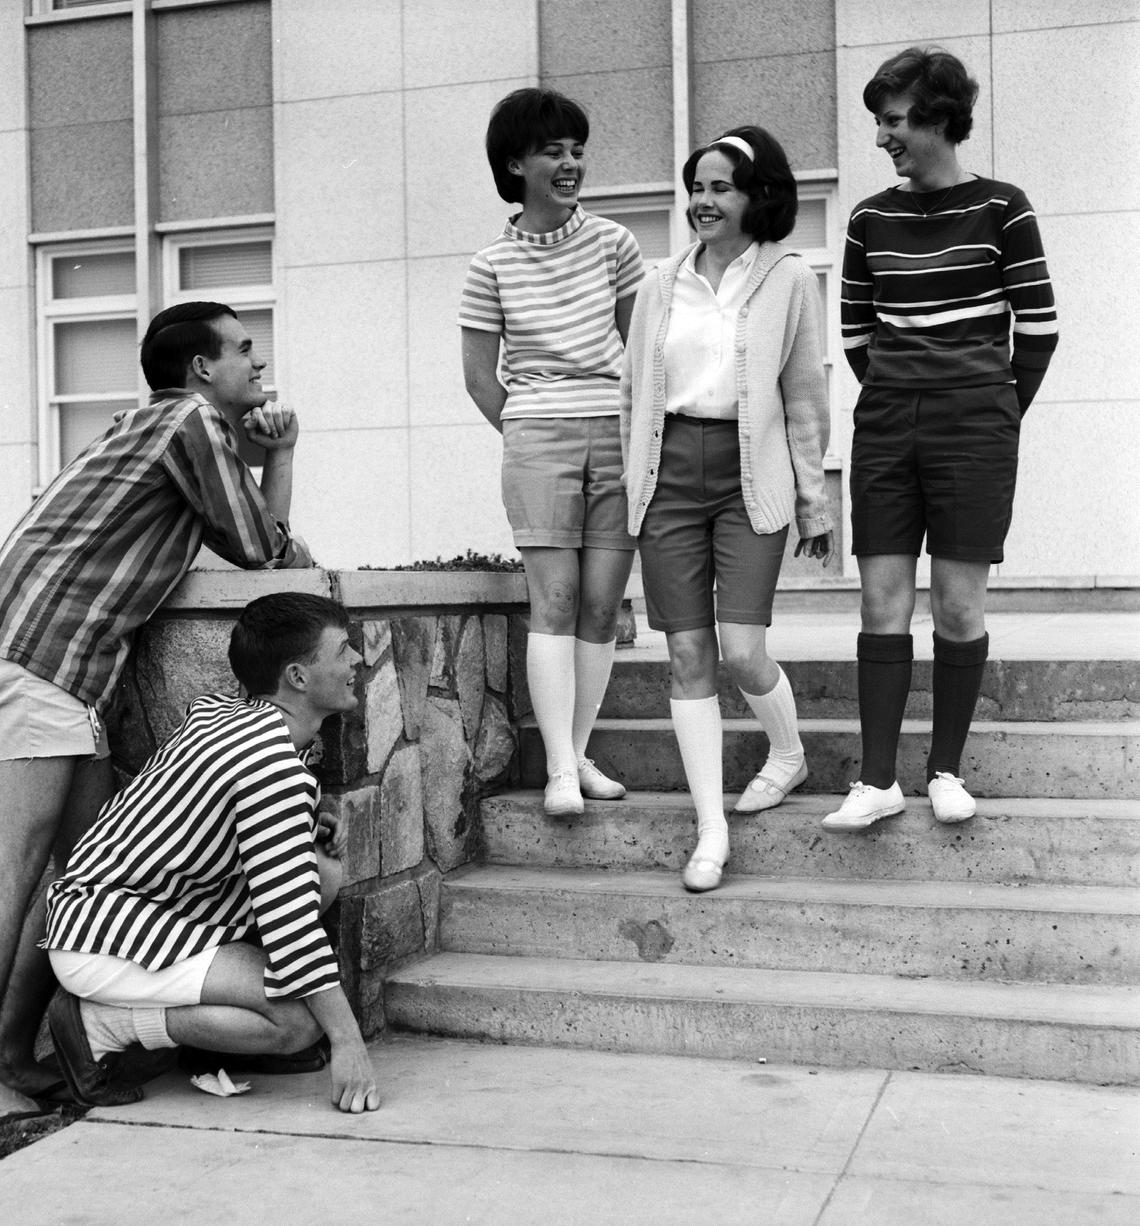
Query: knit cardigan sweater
x=783, y=416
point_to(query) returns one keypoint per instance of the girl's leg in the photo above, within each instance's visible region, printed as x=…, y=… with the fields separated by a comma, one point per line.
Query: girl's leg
x=604, y=573
x=696, y=721
x=961, y=646
x=553, y=581
x=885, y=654
x=768, y=693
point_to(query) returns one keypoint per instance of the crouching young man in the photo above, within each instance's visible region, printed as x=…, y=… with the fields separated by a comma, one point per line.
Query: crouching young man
x=190, y=911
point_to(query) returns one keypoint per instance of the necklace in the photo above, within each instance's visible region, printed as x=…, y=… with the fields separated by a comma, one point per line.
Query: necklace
x=941, y=199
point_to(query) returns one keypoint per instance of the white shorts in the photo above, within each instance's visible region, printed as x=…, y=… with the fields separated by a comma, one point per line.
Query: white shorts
x=39, y=720
x=108, y=980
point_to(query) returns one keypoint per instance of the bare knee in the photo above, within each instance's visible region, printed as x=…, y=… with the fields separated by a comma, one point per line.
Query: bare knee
x=755, y=672
x=693, y=659
x=554, y=607
x=886, y=610
x=294, y=1028
x=597, y=620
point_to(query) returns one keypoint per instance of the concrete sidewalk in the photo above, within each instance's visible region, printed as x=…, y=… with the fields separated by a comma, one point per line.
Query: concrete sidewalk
x=472, y=1133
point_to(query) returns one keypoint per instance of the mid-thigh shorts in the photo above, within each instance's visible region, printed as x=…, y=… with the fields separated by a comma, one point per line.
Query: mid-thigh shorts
x=940, y=463
x=562, y=483
x=39, y=720
x=696, y=533
x=126, y=985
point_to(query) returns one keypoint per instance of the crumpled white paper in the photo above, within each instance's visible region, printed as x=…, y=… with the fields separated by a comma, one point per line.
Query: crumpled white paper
x=219, y=1084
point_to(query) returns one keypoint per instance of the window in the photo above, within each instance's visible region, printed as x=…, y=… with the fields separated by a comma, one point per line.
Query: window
x=88, y=346
x=647, y=217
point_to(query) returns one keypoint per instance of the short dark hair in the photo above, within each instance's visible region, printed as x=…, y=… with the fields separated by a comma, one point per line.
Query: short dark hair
x=941, y=89
x=277, y=630
x=175, y=337
x=765, y=178
x=524, y=121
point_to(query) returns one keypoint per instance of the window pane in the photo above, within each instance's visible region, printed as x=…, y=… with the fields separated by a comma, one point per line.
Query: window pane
x=79, y=4
x=93, y=276
x=99, y=355
x=821, y=281
x=225, y=264
x=81, y=424
x=811, y=225
x=259, y=324
x=651, y=229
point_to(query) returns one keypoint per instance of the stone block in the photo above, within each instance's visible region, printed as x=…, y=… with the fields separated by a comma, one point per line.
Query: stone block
x=495, y=745
x=377, y=640
x=383, y=713
x=518, y=699
x=444, y=759
x=495, y=647
x=429, y=882
x=413, y=640
x=359, y=812
x=401, y=842
x=443, y=655
x=392, y=925
x=340, y=751
x=470, y=679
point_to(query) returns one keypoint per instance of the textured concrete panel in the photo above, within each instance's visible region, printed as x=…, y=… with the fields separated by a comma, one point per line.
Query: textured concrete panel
x=858, y=22
x=631, y=124
x=1049, y=14
x=793, y=96
x=448, y=42
x=214, y=58
x=357, y=477
x=345, y=332
x=15, y=262
x=13, y=99
x=215, y=164
x=466, y=214
x=79, y=72
x=599, y=36
x=17, y=403
x=1076, y=511
x=347, y=150
x=17, y=462
x=1039, y=131
x=455, y=498
x=743, y=29
x=437, y=395
x=83, y=176
x=367, y=37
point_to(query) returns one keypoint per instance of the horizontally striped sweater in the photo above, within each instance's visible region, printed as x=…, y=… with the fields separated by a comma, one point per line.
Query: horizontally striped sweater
x=211, y=843
x=932, y=284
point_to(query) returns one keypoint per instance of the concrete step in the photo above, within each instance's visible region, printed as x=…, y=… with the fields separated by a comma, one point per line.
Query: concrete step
x=1064, y=1032
x=1086, y=842
x=1035, y=689
x=1086, y=760
x=922, y=929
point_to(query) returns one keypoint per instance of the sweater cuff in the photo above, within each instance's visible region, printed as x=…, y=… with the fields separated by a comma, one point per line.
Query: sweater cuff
x=816, y=526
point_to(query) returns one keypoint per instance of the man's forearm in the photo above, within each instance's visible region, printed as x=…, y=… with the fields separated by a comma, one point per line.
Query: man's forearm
x=277, y=483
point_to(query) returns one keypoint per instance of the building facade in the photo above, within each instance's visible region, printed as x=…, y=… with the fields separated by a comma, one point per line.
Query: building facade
x=319, y=164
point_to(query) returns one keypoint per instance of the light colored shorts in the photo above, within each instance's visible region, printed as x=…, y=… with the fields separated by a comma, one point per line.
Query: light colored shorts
x=39, y=720
x=562, y=483
x=126, y=985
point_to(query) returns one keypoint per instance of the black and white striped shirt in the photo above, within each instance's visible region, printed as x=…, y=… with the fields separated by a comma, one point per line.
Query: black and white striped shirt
x=211, y=843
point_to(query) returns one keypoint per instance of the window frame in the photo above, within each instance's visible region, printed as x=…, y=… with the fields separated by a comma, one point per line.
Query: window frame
x=647, y=198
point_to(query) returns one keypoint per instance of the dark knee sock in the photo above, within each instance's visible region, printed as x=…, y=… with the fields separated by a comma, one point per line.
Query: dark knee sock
x=884, y=683
x=958, y=669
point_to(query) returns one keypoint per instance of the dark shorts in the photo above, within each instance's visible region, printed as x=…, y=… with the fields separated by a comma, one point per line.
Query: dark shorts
x=940, y=463
x=696, y=531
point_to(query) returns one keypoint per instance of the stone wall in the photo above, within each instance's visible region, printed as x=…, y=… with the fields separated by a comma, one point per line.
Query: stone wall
x=405, y=771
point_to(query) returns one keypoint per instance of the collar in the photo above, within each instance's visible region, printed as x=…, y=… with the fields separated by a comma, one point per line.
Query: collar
x=576, y=221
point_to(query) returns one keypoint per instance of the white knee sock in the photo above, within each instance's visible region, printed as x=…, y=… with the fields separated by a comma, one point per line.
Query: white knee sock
x=592, y=665
x=696, y=721
x=550, y=676
x=110, y=1028
x=776, y=712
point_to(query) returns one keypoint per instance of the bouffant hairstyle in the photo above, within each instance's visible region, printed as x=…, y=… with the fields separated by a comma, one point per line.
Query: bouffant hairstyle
x=175, y=338
x=523, y=122
x=941, y=90
x=277, y=630
x=765, y=178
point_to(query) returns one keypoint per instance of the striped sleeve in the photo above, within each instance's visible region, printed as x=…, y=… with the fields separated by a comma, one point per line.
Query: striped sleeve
x=480, y=306
x=630, y=267
x=1025, y=278
x=857, y=301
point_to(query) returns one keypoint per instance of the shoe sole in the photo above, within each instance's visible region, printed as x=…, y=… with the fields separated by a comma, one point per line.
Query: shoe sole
x=122, y=1098
x=955, y=819
x=594, y=795
x=799, y=777
x=701, y=889
x=869, y=820
x=563, y=810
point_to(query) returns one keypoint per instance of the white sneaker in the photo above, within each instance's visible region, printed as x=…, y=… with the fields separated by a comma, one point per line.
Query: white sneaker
x=865, y=805
x=562, y=797
x=596, y=786
x=951, y=801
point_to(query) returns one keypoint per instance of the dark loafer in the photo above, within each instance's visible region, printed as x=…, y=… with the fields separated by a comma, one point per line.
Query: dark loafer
x=195, y=1060
x=93, y=1083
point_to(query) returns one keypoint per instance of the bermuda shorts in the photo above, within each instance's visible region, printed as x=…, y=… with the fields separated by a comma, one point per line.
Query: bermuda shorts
x=696, y=533
x=126, y=985
x=39, y=720
x=562, y=483
x=939, y=462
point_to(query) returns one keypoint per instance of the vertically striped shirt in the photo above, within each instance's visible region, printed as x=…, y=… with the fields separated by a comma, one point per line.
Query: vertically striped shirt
x=929, y=297
x=103, y=546
x=552, y=298
x=211, y=843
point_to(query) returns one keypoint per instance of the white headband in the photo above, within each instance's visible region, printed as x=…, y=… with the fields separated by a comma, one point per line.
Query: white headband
x=739, y=144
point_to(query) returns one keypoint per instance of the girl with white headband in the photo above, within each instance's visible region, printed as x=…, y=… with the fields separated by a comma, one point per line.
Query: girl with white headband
x=724, y=426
